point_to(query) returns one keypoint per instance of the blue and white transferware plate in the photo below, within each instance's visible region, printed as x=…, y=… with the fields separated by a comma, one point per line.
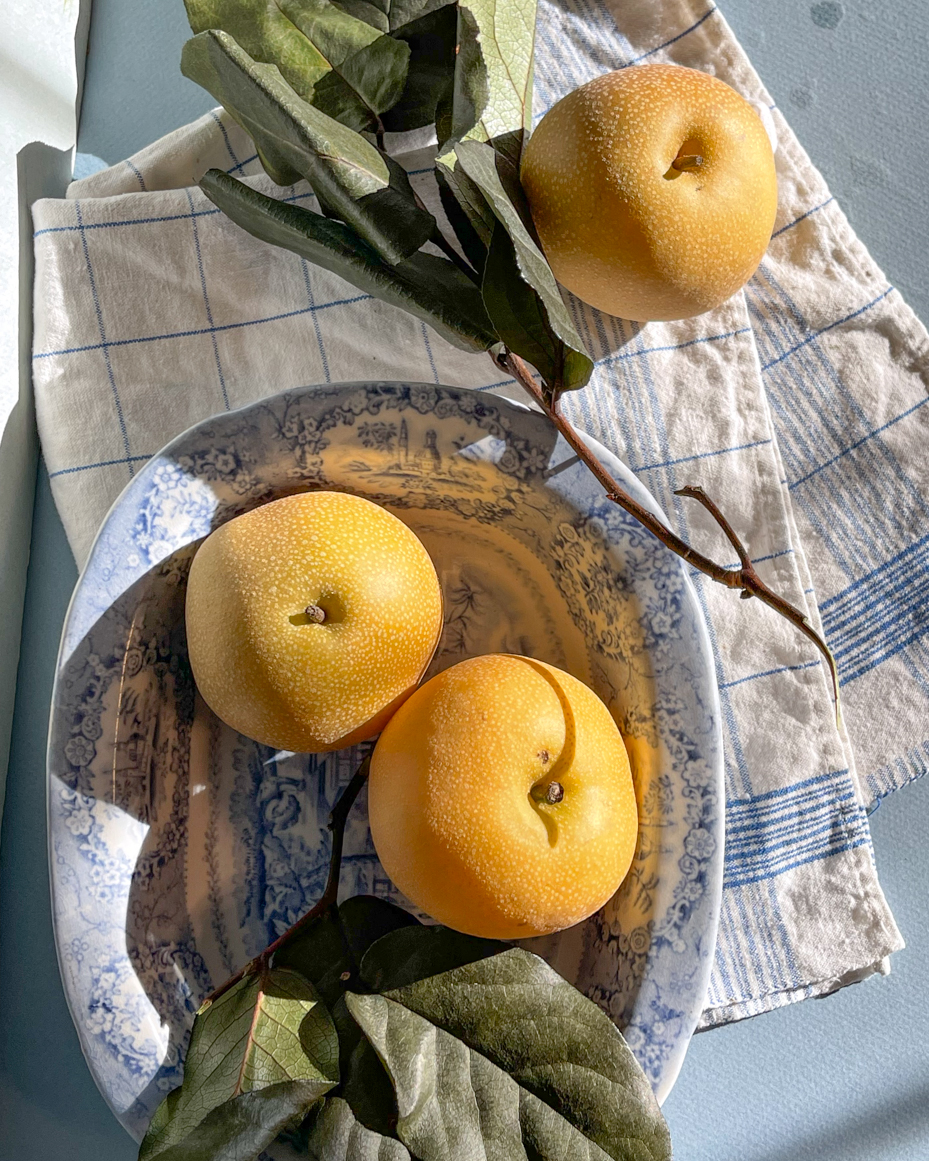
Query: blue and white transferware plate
x=180, y=849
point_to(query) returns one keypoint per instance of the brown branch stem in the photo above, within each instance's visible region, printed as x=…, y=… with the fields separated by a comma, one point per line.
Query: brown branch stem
x=327, y=902
x=744, y=578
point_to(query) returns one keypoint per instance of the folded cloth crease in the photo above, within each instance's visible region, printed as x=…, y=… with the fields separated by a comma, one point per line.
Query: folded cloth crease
x=797, y=405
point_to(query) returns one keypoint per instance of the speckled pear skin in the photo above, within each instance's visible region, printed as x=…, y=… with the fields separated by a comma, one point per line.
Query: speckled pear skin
x=275, y=676
x=621, y=228
x=452, y=815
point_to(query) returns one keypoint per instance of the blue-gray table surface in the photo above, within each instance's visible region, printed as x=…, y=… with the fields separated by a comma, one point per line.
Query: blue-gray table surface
x=842, y=1079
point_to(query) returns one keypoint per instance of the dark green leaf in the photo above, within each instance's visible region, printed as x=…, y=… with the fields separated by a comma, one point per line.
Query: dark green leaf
x=470, y=240
x=471, y=88
x=293, y=1137
x=431, y=288
x=415, y=953
x=366, y=919
x=318, y=953
x=389, y=16
x=298, y=139
x=493, y=72
x=432, y=40
x=373, y=12
x=503, y=1055
x=378, y=71
x=337, y=1136
x=470, y=199
x=365, y=1084
x=262, y=1032
x=336, y=943
x=516, y=310
x=406, y=11
x=241, y=1128
x=368, y=72
x=328, y=953
x=453, y=1102
x=498, y=181
x=332, y=59
x=492, y=101
x=467, y=211
x=522, y=322
x=295, y=139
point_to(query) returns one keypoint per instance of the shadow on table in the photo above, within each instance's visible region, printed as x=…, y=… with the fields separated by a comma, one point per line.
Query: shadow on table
x=865, y=1136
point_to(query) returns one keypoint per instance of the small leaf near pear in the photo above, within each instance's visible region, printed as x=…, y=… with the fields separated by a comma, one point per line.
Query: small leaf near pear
x=329, y=953
x=404, y=957
x=336, y=943
x=520, y=319
x=267, y=1030
x=498, y=182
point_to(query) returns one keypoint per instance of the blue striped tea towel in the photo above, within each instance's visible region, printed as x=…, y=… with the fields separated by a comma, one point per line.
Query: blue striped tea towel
x=798, y=405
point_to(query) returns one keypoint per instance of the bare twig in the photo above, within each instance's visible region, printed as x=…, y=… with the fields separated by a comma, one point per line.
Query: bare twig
x=696, y=493
x=744, y=578
x=337, y=820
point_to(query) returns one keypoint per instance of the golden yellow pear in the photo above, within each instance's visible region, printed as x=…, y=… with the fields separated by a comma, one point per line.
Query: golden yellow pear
x=653, y=191
x=310, y=619
x=501, y=800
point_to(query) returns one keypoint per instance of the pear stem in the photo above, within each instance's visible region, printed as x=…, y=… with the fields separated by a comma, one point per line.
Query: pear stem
x=687, y=161
x=315, y=614
x=551, y=794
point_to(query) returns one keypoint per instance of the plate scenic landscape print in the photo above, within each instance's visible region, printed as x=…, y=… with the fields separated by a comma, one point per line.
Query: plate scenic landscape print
x=179, y=849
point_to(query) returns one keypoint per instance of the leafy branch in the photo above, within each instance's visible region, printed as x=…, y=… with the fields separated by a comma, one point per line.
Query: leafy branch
x=362, y=1035
x=315, y=83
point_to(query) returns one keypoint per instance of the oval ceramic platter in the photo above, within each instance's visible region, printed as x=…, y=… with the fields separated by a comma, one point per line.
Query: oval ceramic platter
x=180, y=849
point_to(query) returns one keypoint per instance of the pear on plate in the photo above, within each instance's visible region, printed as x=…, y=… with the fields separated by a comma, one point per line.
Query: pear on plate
x=310, y=619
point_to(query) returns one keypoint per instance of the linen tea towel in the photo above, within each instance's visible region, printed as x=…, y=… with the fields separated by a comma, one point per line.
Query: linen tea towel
x=153, y=311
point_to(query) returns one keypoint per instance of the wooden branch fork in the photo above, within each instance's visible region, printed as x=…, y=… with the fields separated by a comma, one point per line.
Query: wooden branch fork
x=745, y=577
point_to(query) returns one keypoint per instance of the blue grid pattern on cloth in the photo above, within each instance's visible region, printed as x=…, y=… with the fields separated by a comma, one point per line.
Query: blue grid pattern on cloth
x=799, y=437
